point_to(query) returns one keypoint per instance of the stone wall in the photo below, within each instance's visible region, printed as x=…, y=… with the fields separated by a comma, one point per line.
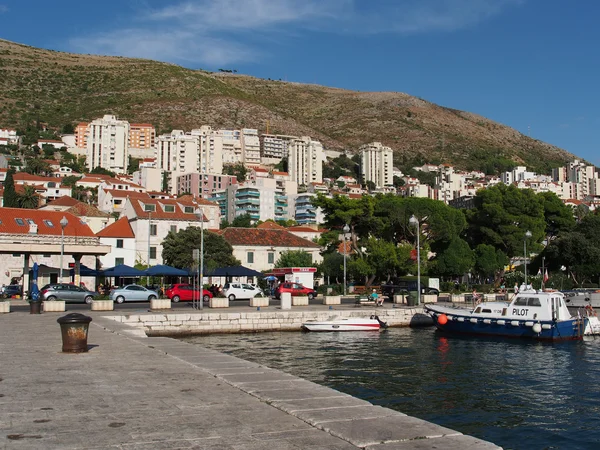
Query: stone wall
x=174, y=324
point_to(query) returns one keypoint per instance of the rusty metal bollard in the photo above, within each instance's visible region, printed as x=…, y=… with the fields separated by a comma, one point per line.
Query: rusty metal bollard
x=35, y=307
x=74, y=329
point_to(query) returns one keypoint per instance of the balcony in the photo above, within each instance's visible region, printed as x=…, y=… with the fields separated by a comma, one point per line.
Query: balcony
x=242, y=194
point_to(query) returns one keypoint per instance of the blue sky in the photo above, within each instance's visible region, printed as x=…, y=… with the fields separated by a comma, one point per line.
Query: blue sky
x=529, y=64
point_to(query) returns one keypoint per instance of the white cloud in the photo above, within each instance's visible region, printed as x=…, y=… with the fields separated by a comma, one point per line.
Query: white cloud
x=219, y=32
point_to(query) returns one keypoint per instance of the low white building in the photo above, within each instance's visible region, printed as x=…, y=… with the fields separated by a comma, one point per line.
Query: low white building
x=121, y=239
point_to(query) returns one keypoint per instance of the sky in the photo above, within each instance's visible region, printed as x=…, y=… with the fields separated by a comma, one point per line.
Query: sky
x=530, y=64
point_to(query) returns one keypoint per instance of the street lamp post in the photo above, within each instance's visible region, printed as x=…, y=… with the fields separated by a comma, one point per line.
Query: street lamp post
x=63, y=223
x=200, y=213
x=345, y=230
x=415, y=222
x=527, y=236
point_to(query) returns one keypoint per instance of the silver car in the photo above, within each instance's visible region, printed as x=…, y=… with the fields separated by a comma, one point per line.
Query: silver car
x=132, y=293
x=67, y=292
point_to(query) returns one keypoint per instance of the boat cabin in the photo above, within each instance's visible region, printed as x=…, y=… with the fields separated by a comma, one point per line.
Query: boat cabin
x=531, y=304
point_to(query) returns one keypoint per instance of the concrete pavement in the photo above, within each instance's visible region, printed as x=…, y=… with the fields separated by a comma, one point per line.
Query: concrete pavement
x=133, y=392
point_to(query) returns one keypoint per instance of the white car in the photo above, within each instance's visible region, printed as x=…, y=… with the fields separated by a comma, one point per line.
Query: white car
x=237, y=291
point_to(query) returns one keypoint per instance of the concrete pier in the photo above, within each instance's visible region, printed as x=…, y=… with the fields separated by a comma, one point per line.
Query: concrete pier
x=130, y=391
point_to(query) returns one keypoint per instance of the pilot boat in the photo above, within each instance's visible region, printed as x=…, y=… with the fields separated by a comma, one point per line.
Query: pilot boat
x=540, y=315
x=345, y=324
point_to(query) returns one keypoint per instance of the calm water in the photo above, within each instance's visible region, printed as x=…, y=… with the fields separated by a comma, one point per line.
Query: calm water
x=519, y=395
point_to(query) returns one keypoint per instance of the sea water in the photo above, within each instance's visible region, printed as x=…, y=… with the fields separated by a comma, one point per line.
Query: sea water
x=517, y=394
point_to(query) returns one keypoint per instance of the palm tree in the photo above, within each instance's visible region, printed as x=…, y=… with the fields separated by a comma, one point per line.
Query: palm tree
x=29, y=199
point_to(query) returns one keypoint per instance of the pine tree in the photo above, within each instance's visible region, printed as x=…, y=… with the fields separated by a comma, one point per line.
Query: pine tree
x=11, y=199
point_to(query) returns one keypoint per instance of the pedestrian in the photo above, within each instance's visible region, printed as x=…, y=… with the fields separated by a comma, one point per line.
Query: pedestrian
x=476, y=297
x=516, y=289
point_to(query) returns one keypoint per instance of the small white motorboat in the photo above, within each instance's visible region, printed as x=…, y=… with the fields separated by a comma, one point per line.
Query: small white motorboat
x=345, y=324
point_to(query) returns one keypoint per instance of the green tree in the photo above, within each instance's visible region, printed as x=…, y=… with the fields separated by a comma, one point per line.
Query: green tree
x=577, y=254
x=102, y=171
x=489, y=261
x=558, y=216
x=282, y=166
x=454, y=260
x=11, y=199
x=36, y=166
x=239, y=170
x=133, y=165
x=178, y=249
x=68, y=128
x=332, y=266
x=29, y=199
x=501, y=217
x=294, y=258
x=398, y=182
x=243, y=221
x=70, y=181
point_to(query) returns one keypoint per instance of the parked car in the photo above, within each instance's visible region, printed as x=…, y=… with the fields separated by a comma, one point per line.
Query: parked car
x=67, y=292
x=404, y=287
x=12, y=290
x=132, y=293
x=296, y=289
x=244, y=291
x=185, y=292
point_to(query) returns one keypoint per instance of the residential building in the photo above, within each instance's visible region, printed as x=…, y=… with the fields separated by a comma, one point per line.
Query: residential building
x=232, y=146
x=377, y=164
x=149, y=177
x=177, y=153
x=142, y=136
x=112, y=201
x=153, y=219
x=121, y=239
x=97, y=220
x=81, y=132
x=203, y=185
x=210, y=144
x=30, y=235
x=305, y=161
x=275, y=145
x=448, y=183
x=8, y=136
x=108, y=144
x=57, y=144
x=48, y=188
x=259, y=249
x=250, y=147
x=302, y=210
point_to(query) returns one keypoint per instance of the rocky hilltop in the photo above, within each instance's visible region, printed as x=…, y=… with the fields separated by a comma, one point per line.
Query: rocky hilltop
x=56, y=88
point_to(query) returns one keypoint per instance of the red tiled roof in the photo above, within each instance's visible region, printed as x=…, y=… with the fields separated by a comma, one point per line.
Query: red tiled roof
x=160, y=213
x=268, y=225
x=265, y=238
x=8, y=225
x=300, y=228
x=355, y=196
x=24, y=176
x=259, y=169
x=65, y=200
x=83, y=209
x=120, y=229
x=280, y=173
x=120, y=193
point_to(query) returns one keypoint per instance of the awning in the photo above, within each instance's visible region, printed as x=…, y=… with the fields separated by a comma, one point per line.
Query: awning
x=123, y=270
x=168, y=271
x=234, y=271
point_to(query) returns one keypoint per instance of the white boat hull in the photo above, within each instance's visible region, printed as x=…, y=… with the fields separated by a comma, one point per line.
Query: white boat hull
x=592, y=327
x=350, y=324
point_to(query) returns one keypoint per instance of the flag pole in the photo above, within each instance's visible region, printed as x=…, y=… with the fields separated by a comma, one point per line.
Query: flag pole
x=543, y=273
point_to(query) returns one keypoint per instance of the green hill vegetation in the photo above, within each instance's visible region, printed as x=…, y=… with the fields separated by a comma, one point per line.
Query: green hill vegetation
x=43, y=87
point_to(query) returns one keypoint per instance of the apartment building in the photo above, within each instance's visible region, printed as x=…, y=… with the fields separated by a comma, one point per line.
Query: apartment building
x=250, y=147
x=302, y=210
x=232, y=146
x=448, y=183
x=81, y=135
x=108, y=144
x=142, y=136
x=305, y=161
x=377, y=164
x=177, y=153
x=203, y=185
x=275, y=145
x=210, y=147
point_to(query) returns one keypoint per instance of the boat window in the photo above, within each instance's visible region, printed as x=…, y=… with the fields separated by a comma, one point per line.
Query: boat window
x=520, y=301
x=487, y=311
x=533, y=302
x=478, y=310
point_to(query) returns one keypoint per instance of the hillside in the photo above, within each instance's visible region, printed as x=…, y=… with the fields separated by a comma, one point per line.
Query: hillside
x=58, y=88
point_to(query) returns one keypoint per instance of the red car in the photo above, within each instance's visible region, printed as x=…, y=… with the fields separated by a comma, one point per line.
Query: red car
x=185, y=292
x=296, y=289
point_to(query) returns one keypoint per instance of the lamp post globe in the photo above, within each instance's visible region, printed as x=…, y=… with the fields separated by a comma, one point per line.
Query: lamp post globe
x=415, y=223
x=345, y=231
x=525, y=238
x=63, y=223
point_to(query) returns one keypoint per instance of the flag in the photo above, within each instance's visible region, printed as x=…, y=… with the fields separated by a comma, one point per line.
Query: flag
x=539, y=272
x=546, y=276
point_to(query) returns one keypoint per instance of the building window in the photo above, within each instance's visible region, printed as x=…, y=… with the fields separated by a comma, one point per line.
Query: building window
x=119, y=261
x=169, y=208
x=20, y=221
x=149, y=208
x=189, y=209
x=173, y=228
x=271, y=258
x=152, y=252
x=119, y=243
x=250, y=257
x=153, y=230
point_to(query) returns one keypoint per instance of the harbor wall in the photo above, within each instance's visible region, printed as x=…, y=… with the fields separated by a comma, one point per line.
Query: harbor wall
x=185, y=324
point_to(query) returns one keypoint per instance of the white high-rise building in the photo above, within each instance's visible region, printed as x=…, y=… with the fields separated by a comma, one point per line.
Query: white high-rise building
x=250, y=147
x=377, y=164
x=275, y=145
x=232, y=146
x=107, y=144
x=211, y=149
x=177, y=153
x=305, y=161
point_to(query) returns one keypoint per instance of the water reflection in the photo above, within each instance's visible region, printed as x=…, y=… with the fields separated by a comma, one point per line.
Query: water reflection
x=517, y=394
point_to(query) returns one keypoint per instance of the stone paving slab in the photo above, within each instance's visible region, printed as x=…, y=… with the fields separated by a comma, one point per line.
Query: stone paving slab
x=134, y=392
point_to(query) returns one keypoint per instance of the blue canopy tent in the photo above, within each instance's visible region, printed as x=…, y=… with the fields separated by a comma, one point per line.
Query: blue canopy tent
x=166, y=271
x=123, y=270
x=85, y=271
x=234, y=271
